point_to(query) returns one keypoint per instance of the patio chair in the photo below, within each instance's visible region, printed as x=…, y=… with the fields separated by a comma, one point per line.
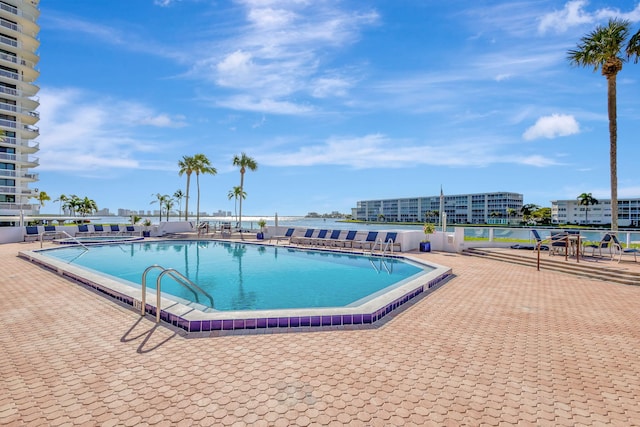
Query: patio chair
x=348, y=240
x=369, y=241
x=50, y=233
x=130, y=230
x=538, y=240
x=98, y=230
x=618, y=249
x=559, y=242
x=605, y=243
x=83, y=230
x=333, y=238
x=390, y=241
x=31, y=233
x=320, y=238
x=114, y=229
x=286, y=235
x=304, y=239
x=225, y=230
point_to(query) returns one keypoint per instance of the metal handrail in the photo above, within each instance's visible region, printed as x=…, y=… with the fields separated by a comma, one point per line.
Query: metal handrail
x=178, y=277
x=388, y=246
x=61, y=232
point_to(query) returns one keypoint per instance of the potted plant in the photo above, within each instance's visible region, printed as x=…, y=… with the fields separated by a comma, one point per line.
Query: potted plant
x=146, y=223
x=261, y=223
x=425, y=245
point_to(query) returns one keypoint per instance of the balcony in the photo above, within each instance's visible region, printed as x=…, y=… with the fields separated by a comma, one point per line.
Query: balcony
x=18, y=13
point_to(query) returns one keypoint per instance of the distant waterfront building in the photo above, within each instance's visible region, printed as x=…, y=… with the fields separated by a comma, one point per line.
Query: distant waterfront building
x=483, y=208
x=571, y=212
x=18, y=58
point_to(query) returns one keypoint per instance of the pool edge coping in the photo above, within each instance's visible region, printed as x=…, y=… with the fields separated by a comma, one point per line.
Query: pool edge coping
x=197, y=322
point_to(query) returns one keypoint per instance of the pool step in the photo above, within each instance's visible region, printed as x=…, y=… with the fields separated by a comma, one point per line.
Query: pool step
x=608, y=273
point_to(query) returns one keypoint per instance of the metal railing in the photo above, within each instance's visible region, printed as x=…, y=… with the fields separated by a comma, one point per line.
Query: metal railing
x=54, y=233
x=178, y=277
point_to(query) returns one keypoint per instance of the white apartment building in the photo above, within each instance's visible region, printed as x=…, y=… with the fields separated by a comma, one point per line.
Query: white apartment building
x=18, y=59
x=483, y=208
x=571, y=212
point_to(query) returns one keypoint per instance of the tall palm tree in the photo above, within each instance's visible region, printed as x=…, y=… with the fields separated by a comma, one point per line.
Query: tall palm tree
x=161, y=199
x=179, y=195
x=202, y=165
x=511, y=212
x=236, y=193
x=244, y=162
x=186, y=166
x=602, y=49
x=586, y=199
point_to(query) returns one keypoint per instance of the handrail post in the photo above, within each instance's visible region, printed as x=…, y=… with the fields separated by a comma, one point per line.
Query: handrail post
x=158, y=296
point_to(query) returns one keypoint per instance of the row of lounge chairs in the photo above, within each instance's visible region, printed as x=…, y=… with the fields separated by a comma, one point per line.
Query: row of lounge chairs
x=333, y=238
x=33, y=232
x=112, y=230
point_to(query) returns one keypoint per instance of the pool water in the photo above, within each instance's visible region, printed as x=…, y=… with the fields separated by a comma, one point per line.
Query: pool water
x=246, y=276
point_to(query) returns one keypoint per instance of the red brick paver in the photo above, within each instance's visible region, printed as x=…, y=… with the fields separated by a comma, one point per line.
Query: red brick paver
x=498, y=344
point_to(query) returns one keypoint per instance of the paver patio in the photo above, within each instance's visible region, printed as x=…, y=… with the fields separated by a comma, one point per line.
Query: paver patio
x=498, y=344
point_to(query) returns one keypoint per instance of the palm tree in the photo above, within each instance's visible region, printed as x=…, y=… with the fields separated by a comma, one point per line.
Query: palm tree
x=201, y=165
x=511, y=212
x=63, y=200
x=42, y=197
x=237, y=193
x=186, y=167
x=73, y=204
x=86, y=206
x=244, y=162
x=161, y=199
x=586, y=199
x=602, y=49
x=528, y=210
x=168, y=205
x=179, y=195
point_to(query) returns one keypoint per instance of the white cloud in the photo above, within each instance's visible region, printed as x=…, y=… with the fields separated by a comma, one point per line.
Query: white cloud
x=263, y=105
x=325, y=87
x=372, y=151
x=552, y=126
x=86, y=135
x=574, y=14
x=280, y=53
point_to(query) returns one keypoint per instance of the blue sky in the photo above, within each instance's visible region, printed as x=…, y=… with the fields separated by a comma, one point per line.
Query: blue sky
x=337, y=101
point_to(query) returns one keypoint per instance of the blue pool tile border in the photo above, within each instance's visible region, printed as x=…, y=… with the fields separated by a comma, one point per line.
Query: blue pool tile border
x=263, y=324
x=273, y=324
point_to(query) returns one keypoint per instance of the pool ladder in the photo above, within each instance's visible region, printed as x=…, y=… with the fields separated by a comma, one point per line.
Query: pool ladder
x=178, y=277
x=384, y=246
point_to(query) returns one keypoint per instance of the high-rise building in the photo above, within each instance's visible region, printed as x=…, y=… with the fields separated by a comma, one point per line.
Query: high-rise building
x=18, y=59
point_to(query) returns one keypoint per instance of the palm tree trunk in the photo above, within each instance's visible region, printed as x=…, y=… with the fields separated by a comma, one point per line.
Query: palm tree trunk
x=241, y=193
x=613, y=149
x=186, y=203
x=198, y=203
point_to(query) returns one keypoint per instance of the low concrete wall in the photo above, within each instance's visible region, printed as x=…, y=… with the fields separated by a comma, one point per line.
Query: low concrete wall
x=16, y=234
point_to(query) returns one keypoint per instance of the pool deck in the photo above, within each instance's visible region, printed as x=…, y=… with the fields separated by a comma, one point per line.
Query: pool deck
x=498, y=344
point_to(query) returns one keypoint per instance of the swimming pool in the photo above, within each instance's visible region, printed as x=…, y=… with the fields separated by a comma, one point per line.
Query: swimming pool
x=252, y=286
